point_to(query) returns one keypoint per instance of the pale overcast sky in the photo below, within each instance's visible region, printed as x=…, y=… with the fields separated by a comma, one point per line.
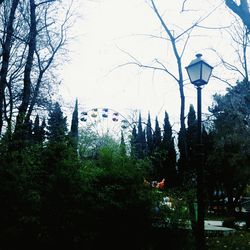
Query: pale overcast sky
x=109, y=27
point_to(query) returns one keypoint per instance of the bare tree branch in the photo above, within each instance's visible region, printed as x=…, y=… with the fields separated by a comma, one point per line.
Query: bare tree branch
x=179, y=79
x=183, y=6
x=126, y=52
x=228, y=65
x=166, y=70
x=44, y=2
x=184, y=46
x=28, y=67
x=141, y=66
x=212, y=28
x=47, y=62
x=222, y=80
x=183, y=9
x=201, y=19
x=6, y=45
x=153, y=36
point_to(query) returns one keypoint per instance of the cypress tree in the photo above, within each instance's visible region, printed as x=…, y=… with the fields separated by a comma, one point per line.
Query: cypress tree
x=157, y=135
x=122, y=146
x=169, y=152
x=149, y=136
x=38, y=131
x=172, y=163
x=74, y=127
x=157, y=157
x=133, y=143
x=74, y=122
x=182, y=160
x=23, y=137
x=191, y=139
x=144, y=143
x=140, y=139
x=57, y=152
x=42, y=130
x=167, y=129
x=57, y=126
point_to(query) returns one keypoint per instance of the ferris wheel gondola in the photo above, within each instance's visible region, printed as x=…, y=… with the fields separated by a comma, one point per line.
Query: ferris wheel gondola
x=105, y=121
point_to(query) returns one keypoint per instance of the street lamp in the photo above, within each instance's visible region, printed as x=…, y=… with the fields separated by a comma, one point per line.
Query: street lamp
x=199, y=73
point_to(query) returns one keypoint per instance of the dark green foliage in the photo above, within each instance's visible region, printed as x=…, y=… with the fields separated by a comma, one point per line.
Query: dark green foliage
x=192, y=140
x=231, y=154
x=182, y=161
x=74, y=122
x=192, y=122
x=212, y=174
x=74, y=127
x=123, y=150
x=140, y=140
x=149, y=136
x=38, y=131
x=157, y=157
x=167, y=129
x=144, y=143
x=168, y=147
x=157, y=136
x=57, y=126
x=22, y=136
x=49, y=199
x=121, y=204
x=133, y=143
x=42, y=130
x=19, y=195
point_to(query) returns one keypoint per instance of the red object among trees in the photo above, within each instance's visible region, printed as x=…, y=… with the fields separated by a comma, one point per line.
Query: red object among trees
x=161, y=184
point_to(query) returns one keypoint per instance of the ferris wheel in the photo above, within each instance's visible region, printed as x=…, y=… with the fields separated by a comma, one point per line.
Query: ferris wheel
x=105, y=122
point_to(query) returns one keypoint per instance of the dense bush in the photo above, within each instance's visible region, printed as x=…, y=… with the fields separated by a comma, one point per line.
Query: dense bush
x=50, y=198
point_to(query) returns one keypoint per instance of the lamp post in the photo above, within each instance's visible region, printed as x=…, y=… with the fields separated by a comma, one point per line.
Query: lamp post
x=199, y=73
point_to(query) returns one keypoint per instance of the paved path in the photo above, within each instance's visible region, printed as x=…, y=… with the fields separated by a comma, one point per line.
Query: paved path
x=217, y=228
x=210, y=226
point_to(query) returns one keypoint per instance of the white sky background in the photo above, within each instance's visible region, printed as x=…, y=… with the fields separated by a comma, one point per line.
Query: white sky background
x=109, y=26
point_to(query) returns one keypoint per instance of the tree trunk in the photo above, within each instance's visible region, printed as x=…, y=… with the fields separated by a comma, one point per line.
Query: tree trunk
x=6, y=58
x=242, y=10
x=28, y=67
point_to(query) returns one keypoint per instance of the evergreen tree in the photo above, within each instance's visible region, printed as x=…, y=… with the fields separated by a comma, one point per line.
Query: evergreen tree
x=57, y=126
x=149, y=136
x=172, y=171
x=74, y=122
x=157, y=157
x=36, y=129
x=191, y=117
x=74, y=127
x=167, y=129
x=42, y=130
x=191, y=139
x=182, y=160
x=144, y=143
x=57, y=151
x=230, y=158
x=133, y=143
x=122, y=146
x=22, y=136
x=141, y=140
x=157, y=136
x=168, y=147
x=27, y=131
